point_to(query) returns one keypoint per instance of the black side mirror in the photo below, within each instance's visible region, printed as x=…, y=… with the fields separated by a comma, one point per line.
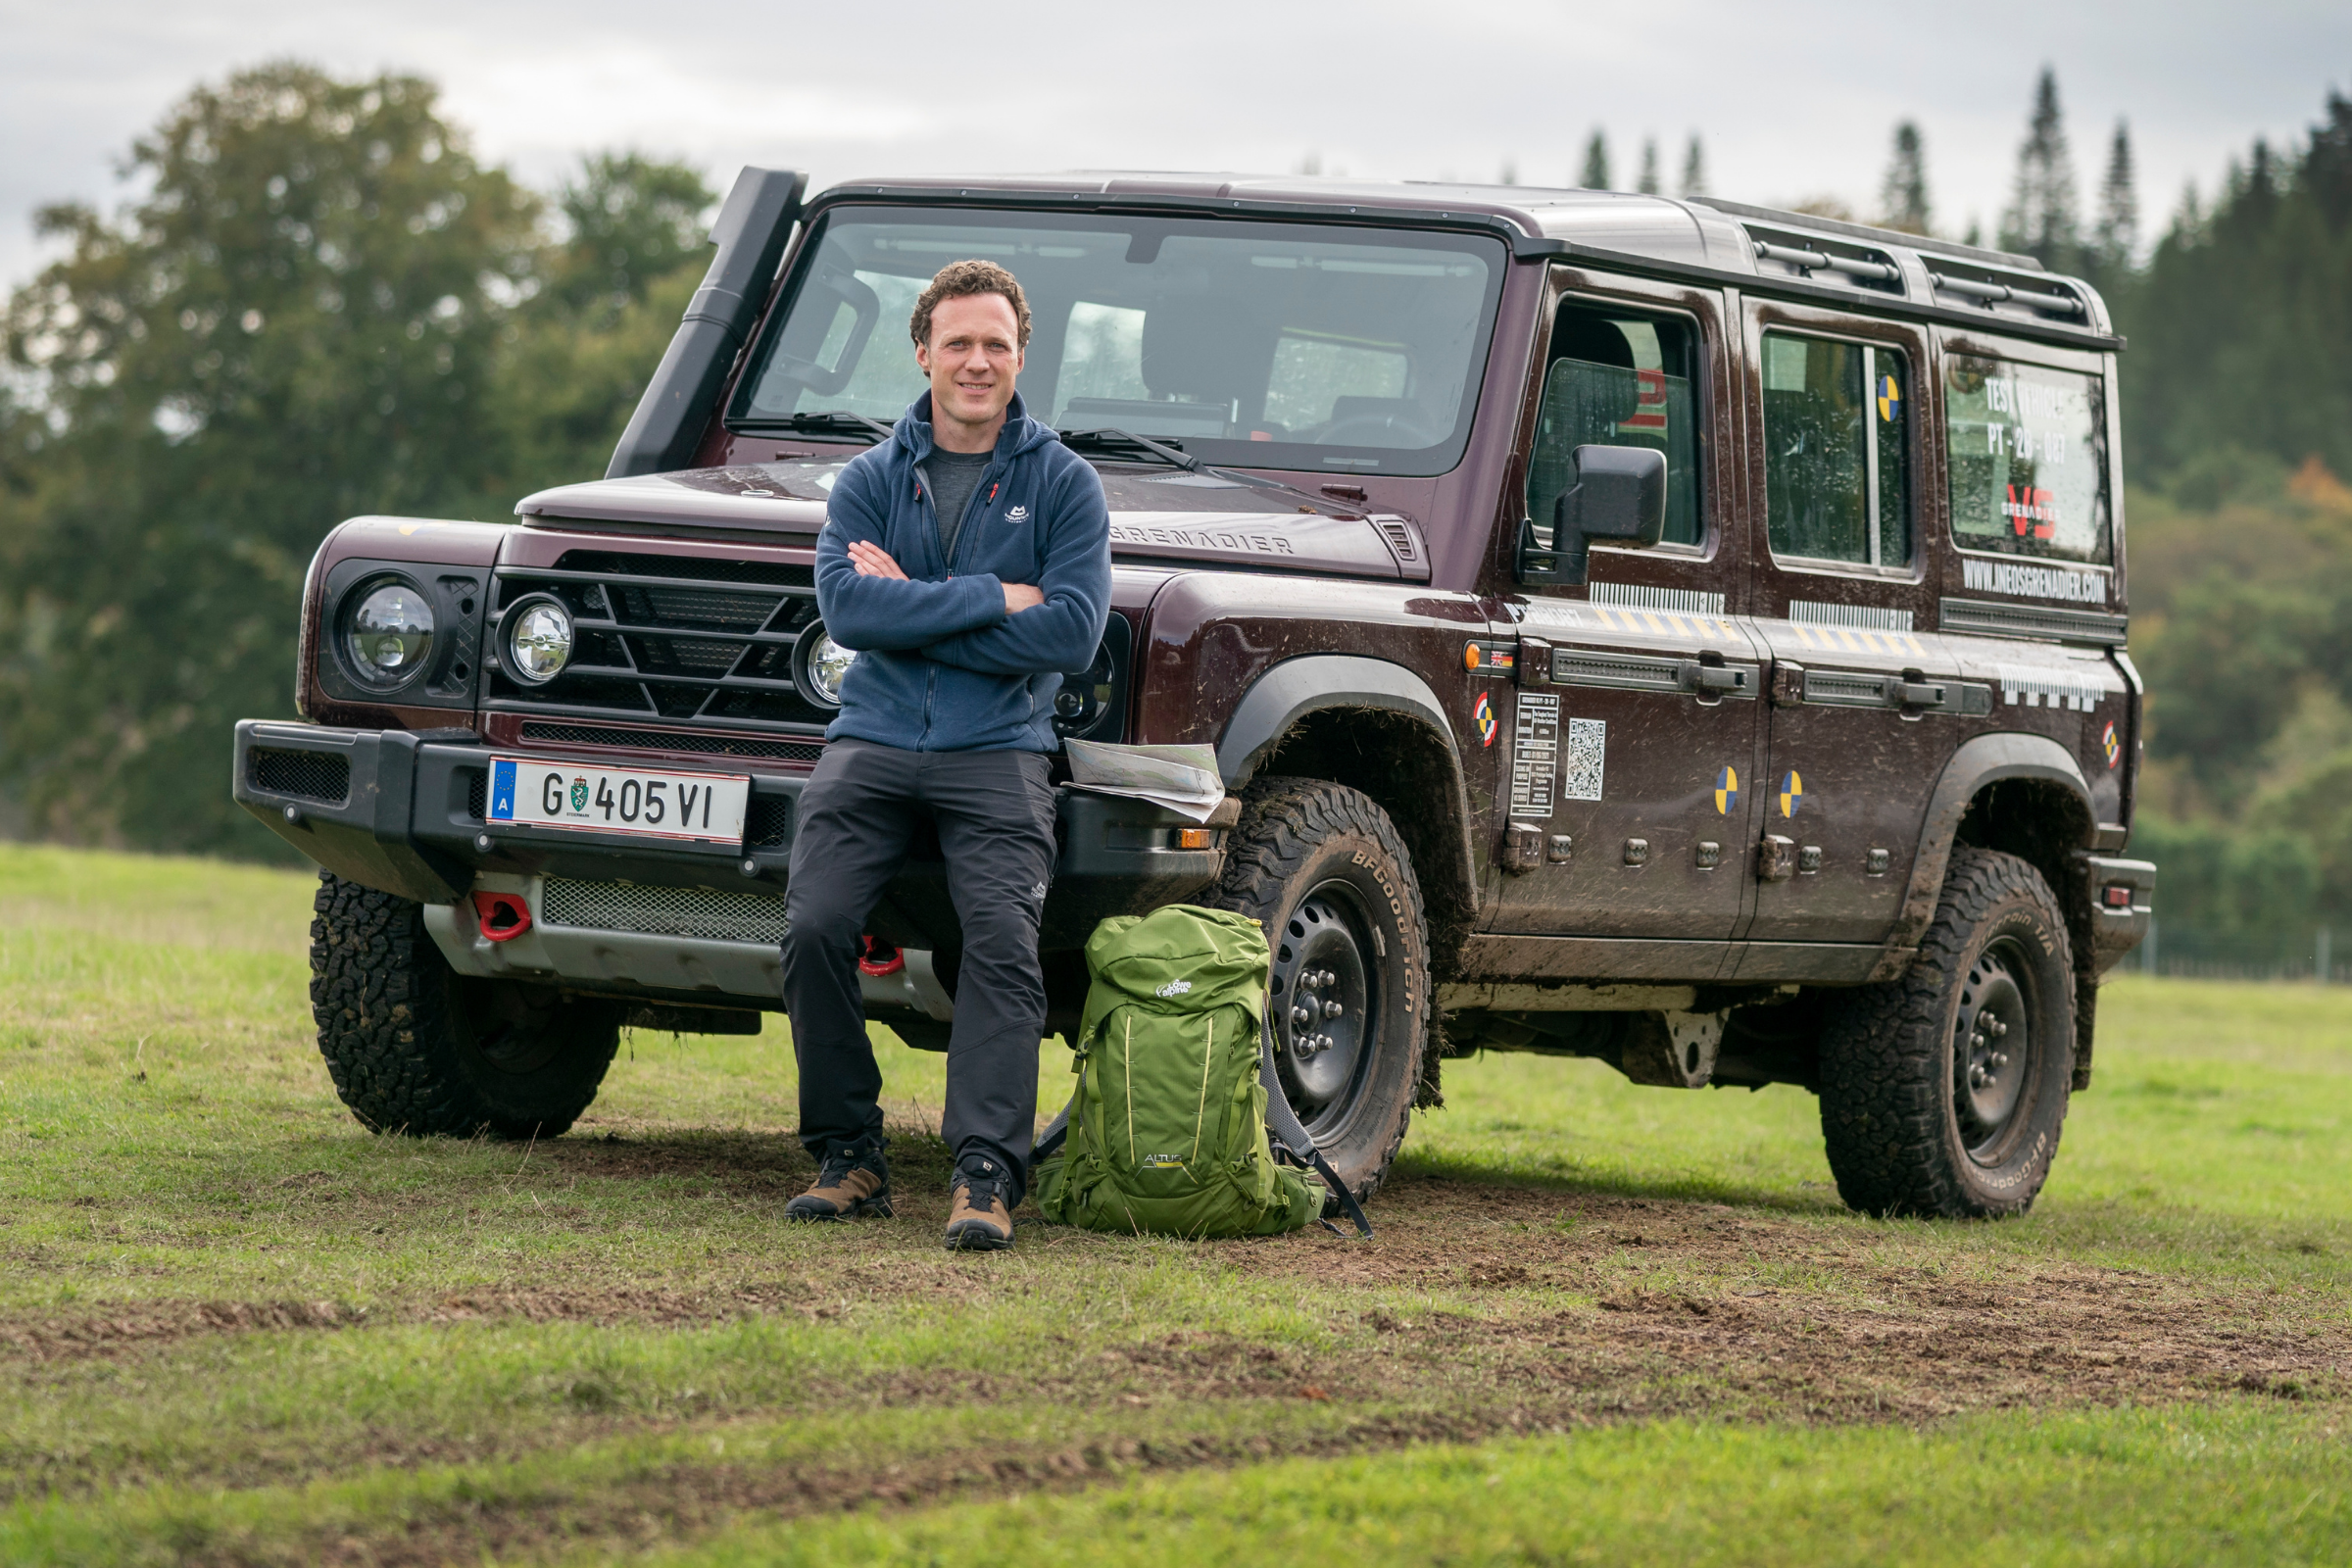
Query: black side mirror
x=1619, y=495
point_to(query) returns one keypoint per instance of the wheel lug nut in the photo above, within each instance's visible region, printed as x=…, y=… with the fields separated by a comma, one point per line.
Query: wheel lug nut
x=1332, y=1010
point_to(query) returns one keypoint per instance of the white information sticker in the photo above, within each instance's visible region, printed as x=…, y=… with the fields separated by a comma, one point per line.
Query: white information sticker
x=1535, y=752
x=642, y=803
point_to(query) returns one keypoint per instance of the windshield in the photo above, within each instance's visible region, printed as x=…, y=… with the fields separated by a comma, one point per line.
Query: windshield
x=1264, y=345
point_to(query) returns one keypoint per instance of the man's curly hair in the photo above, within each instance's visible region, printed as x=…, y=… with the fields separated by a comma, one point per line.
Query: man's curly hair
x=961, y=279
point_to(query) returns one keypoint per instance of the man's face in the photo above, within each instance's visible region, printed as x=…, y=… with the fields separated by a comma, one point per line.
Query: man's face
x=973, y=357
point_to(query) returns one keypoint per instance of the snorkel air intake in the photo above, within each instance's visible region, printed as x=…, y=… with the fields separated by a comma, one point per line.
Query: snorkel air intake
x=754, y=226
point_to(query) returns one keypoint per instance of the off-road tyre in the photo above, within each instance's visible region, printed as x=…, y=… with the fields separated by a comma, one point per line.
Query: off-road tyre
x=1911, y=1127
x=1320, y=869
x=414, y=1047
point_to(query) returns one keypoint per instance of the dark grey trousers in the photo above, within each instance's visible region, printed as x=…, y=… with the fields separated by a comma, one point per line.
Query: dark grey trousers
x=994, y=814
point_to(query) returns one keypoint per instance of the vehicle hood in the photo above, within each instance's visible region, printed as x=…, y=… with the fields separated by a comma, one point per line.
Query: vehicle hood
x=1155, y=514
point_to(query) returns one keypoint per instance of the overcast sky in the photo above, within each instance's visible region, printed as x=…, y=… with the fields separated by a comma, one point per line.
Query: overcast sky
x=1797, y=106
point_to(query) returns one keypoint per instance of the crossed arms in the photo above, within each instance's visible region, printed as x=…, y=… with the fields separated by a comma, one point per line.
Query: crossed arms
x=977, y=623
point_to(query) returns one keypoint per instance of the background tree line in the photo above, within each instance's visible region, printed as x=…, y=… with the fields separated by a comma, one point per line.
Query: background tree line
x=325, y=304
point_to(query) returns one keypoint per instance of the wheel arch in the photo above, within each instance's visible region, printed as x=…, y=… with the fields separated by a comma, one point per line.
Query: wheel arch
x=1377, y=727
x=2024, y=794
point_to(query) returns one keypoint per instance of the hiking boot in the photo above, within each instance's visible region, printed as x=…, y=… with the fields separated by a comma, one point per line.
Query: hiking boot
x=980, y=1216
x=852, y=1182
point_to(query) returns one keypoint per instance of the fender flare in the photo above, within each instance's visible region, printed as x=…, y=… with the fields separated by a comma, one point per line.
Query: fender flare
x=1986, y=760
x=1298, y=687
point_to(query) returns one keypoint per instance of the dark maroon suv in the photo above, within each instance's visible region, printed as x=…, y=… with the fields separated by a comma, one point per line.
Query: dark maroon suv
x=1676, y=633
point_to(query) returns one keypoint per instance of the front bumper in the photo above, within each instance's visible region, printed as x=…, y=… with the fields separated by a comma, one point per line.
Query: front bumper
x=402, y=812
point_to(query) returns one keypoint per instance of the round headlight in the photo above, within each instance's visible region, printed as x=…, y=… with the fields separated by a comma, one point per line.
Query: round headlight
x=389, y=636
x=538, y=632
x=818, y=664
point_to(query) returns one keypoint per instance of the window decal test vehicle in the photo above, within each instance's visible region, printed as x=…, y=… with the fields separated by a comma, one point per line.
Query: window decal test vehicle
x=1677, y=633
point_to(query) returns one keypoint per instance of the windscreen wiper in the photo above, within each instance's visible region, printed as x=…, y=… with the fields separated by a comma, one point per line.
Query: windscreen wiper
x=1113, y=441
x=830, y=421
x=1107, y=437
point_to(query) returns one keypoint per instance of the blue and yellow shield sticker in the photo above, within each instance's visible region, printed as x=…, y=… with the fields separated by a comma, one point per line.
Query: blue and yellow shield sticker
x=1891, y=399
x=1793, y=793
x=1727, y=790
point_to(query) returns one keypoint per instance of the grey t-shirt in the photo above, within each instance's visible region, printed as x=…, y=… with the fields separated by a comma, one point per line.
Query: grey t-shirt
x=954, y=477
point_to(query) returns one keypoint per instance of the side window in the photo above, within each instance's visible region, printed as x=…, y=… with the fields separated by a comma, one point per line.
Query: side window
x=1836, y=449
x=1622, y=382
x=2028, y=460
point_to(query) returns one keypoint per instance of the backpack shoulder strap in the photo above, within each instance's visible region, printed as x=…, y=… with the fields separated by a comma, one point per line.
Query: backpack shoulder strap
x=1283, y=1126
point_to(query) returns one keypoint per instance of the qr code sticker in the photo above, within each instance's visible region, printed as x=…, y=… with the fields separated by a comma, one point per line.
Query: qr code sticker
x=1588, y=745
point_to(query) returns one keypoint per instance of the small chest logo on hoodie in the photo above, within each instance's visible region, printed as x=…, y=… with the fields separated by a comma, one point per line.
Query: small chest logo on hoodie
x=1017, y=514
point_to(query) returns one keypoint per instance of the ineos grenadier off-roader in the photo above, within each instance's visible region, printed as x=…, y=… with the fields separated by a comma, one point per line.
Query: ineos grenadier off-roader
x=1677, y=633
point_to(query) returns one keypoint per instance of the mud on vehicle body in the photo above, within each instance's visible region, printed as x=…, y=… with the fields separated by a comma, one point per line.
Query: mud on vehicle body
x=1676, y=633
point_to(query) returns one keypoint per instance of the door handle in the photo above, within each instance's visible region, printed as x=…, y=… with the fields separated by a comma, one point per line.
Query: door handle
x=1731, y=680
x=1911, y=692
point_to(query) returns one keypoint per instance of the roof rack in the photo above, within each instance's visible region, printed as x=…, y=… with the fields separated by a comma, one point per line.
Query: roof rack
x=1925, y=244
x=2041, y=296
x=1798, y=254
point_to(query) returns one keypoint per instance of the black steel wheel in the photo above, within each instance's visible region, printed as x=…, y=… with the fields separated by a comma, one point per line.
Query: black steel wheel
x=1944, y=1092
x=415, y=1048
x=1319, y=866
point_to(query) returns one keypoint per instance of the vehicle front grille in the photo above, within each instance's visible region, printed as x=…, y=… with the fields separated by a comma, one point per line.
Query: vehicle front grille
x=768, y=824
x=323, y=776
x=670, y=741
x=682, y=638
x=662, y=911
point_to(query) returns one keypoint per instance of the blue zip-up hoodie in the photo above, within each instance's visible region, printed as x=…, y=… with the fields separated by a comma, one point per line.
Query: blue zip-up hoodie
x=941, y=666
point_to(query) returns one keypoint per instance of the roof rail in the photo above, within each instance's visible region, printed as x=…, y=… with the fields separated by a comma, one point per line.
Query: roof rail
x=1925, y=244
x=2043, y=295
x=1801, y=255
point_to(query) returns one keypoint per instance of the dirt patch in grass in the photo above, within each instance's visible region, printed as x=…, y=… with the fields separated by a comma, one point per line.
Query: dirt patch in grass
x=1669, y=1308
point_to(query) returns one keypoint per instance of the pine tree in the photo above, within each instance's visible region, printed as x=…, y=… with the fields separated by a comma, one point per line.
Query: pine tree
x=2040, y=220
x=1694, y=169
x=2116, y=240
x=1903, y=193
x=1596, y=162
x=1649, y=184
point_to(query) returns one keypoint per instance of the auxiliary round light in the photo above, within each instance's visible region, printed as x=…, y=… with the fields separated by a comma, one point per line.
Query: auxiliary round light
x=389, y=636
x=818, y=665
x=538, y=634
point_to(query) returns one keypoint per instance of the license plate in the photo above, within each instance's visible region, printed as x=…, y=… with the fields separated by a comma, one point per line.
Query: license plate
x=643, y=803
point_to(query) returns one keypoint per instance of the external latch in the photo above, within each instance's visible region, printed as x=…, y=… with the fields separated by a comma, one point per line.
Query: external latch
x=1776, y=859
x=1522, y=846
x=1534, y=662
x=1730, y=680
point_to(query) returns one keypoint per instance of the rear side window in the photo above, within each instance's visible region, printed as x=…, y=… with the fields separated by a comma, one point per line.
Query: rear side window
x=1623, y=381
x=2028, y=460
x=1836, y=449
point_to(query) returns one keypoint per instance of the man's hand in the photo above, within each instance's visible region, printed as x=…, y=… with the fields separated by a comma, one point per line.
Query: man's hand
x=872, y=561
x=1019, y=596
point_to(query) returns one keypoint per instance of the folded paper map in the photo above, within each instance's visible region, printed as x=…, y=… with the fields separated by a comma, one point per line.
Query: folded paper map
x=1183, y=778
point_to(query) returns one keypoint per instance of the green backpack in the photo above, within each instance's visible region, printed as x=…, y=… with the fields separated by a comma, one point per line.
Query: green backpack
x=1168, y=1131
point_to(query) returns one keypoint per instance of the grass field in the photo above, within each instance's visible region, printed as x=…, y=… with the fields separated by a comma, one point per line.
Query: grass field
x=1599, y=1323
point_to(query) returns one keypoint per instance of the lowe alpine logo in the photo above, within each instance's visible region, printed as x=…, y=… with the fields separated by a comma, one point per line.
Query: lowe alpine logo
x=1017, y=514
x=1174, y=988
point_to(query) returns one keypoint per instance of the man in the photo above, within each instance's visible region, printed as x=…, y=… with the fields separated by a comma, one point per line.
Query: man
x=967, y=561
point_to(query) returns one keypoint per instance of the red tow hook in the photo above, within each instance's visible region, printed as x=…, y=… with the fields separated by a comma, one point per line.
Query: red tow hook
x=504, y=917
x=878, y=957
